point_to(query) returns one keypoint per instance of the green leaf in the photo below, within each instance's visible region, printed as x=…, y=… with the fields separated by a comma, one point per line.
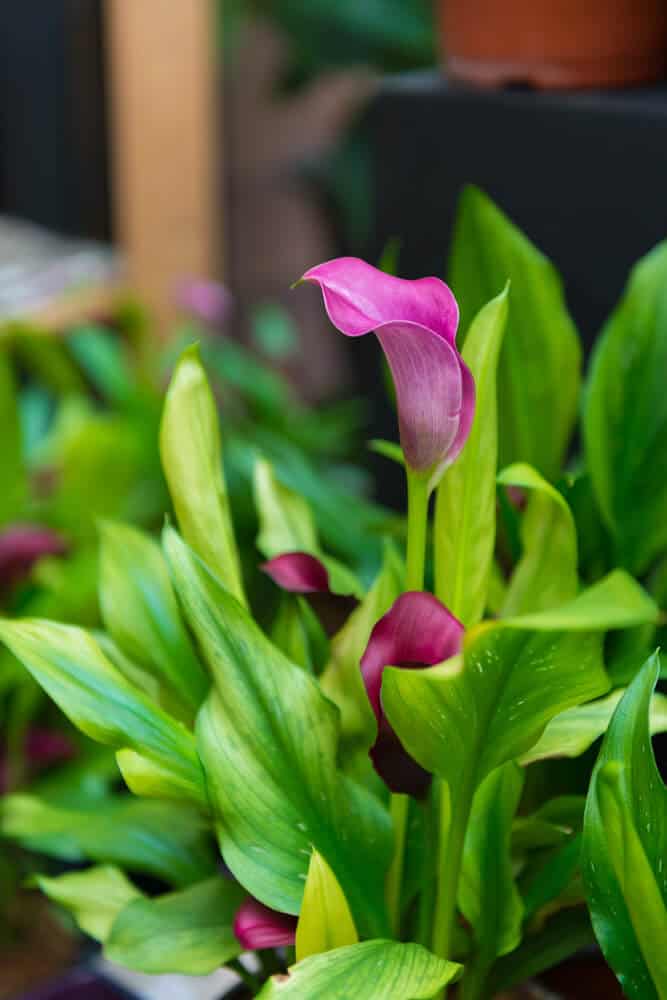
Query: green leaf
x=625, y=843
x=267, y=738
x=190, y=932
x=546, y=575
x=13, y=475
x=487, y=895
x=140, y=611
x=157, y=838
x=465, y=717
x=192, y=462
x=539, y=369
x=342, y=680
x=287, y=525
x=373, y=970
x=572, y=732
x=625, y=416
x=296, y=630
x=617, y=601
x=465, y=513
x=325, y=921
x=99, y=352
x=94, y=897
x=70, y=666
x=556, y=872
x=562, y=936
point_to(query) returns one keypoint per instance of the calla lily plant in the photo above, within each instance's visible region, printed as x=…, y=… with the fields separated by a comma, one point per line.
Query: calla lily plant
x=372, y=782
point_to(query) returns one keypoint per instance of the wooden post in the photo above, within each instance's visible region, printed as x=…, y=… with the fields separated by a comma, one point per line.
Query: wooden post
x=164, y=119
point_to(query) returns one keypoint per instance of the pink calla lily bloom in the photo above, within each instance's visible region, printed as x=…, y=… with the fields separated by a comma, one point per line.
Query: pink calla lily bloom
x=257, y=926
x=416, y=323
x=417, y=631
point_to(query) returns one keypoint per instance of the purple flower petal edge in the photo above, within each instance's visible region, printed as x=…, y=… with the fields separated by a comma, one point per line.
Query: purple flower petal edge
x=257, y=926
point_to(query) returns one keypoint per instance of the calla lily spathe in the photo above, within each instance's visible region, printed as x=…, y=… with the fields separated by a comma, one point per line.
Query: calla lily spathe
x=256, y=926
x=21, y=546
x=417, y=631
x=416, y=323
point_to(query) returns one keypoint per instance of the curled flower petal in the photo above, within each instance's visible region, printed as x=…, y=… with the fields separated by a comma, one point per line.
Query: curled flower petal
x=299, y=573
x=359, y=298
x=256, y=926
x=208, y=301
x=417, y=631
x=415, y=322
x=21, y=546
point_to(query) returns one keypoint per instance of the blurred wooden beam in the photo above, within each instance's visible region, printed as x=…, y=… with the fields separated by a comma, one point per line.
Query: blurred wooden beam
x=164, y=115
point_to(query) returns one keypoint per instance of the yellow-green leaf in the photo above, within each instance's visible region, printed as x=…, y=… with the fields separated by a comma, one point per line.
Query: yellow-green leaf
x=325, y=921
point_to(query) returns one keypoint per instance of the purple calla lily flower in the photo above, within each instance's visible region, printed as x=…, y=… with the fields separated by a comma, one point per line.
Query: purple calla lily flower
x=208, y=301
x=415, y=322
x=21, y=546
x=257, y=926
x=417, y=631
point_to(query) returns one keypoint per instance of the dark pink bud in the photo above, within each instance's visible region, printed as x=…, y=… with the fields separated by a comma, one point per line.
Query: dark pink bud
x=256, y=926
x=299, y=573
x=47, y=746
x=22, y=545
x=417, y=631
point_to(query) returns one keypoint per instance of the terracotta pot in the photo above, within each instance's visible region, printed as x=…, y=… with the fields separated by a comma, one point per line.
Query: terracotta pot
x=555, y=43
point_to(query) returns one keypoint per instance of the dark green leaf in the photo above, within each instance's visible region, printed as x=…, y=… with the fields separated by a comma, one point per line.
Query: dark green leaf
x=625, y=844
x=539, y=371
x=625, y=417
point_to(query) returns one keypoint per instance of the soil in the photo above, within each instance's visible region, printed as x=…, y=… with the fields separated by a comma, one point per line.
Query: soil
x=39, y=949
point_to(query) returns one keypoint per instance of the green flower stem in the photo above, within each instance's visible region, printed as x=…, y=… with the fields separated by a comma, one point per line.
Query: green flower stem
x=399, y=808
x=418, y=497
x=454, y=815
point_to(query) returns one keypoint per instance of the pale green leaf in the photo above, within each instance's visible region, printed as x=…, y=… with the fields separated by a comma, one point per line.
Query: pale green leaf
x=546, y=575
x=465, y=512
x=94, y=897
x=140, y=611
x=373, y=970
x=162, y=839
x=286, y=522
x=572, y=732
x=189, y=932
x=325, y=921
x=192, y=462
x=617, y=601
x=287, y=525
x=70, y=666
x=465, y=717
x=268, y=737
